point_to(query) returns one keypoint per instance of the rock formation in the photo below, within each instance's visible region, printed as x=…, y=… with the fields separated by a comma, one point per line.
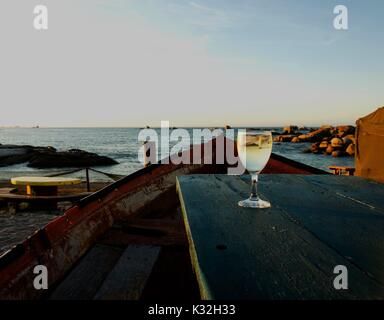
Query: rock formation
x=336, y=141
x=49, y=157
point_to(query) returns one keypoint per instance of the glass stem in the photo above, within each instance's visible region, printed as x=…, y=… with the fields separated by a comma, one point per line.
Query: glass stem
x=254, y=196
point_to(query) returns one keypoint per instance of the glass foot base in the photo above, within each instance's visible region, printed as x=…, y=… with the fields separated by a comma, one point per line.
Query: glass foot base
x=248, y=203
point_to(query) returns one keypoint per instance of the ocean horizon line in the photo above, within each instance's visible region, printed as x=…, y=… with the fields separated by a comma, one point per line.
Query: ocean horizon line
x=171, y=127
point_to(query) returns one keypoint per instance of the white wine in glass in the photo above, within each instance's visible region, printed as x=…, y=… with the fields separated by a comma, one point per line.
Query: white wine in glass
x=254, y=148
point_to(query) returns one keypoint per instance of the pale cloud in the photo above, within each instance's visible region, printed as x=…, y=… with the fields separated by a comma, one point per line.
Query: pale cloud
x=201, y=7
x=201, y=16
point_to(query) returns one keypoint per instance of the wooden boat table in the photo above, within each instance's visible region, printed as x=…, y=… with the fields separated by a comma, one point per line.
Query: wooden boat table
x=290, y=251
x=43, y=186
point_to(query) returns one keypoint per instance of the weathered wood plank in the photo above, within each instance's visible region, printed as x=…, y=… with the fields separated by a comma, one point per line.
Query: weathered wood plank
x=357, y=189
x=86, y=278
x=127, y=279
x=160, y=226
x=351, y=228
x=28, y=198
x=157, y=232
x=7, y=190
x=122, y=239
x=242, y=253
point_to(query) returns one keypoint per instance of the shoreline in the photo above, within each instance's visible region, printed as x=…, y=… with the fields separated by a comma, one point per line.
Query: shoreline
x=16, y=227
x=121, y=145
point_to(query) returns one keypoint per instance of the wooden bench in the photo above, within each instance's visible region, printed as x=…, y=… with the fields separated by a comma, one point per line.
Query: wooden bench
x=12, y=197
x=86, y=278
x=127, y=279
x=6, y=191
x=156, y=232
x=109, y=273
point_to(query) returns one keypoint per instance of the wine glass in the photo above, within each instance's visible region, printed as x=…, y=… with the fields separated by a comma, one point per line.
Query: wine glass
x=254, y=148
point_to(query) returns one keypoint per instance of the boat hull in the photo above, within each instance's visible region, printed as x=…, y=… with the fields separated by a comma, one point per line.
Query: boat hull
x=61, y=243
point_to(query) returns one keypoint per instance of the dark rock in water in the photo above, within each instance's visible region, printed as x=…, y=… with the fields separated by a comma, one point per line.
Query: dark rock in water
x=48, y=157
x=290, y=129
x=315, y=148
x=316, y=135
x=284, y=138
x=338, y=153
x=348, y=139
x=333, y=132
x=14, y=159
x=337, y=143
x=71, y=158
x=345, y=130
x=323, y=144
x=329, y=149
x=350, y=149
x=11, y=154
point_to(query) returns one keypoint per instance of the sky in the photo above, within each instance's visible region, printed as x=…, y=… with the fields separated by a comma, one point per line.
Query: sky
x=199, y=63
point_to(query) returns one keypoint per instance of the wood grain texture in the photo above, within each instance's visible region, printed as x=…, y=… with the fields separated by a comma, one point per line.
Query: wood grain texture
x=356, y=189
x=157, y=232
x=338, y=213
x=286, y=252
x=127, y=279
x=86, y=278
x=7, y=190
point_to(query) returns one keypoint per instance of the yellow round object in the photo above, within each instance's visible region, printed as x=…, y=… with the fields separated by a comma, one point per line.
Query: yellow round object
x=44, y=181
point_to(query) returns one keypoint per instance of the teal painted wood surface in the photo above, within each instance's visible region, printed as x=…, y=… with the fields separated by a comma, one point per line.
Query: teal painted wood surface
x=290, y=250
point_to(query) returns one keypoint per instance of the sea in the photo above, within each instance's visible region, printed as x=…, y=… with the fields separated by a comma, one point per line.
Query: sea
x=122, y=145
